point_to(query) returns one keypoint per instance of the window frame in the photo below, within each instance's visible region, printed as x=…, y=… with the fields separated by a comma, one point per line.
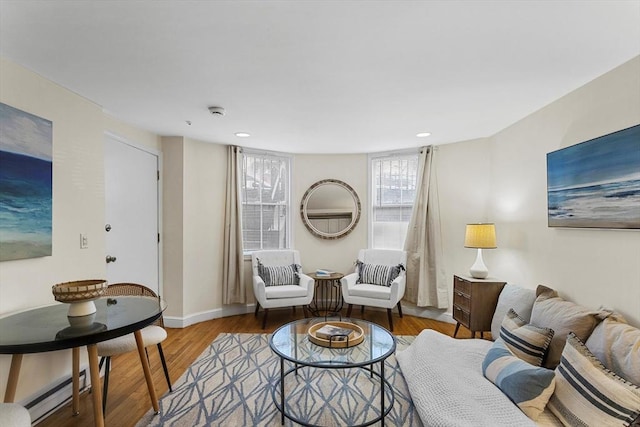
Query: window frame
x=289, y=196
x=372, y=157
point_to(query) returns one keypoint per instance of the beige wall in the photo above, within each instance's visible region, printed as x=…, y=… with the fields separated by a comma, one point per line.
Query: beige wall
x=173, y=224
x=501, y=179
x=194, y=182
x=78, y=207
x=589, y=266
x=204, y=195
x=340, y=254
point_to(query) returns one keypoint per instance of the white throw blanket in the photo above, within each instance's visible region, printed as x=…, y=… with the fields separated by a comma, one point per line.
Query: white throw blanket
x=446, y=384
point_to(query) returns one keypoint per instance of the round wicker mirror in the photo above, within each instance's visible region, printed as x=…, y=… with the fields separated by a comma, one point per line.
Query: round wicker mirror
x=330, y=209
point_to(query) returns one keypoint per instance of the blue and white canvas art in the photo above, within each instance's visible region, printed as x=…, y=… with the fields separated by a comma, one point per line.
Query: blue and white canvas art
x=25, y=184
x=596, y=184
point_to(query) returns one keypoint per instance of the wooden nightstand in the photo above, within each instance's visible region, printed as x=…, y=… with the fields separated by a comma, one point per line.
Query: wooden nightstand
x=474, y=301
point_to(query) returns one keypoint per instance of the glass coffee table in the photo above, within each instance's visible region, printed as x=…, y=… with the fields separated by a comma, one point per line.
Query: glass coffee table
x=291, y=342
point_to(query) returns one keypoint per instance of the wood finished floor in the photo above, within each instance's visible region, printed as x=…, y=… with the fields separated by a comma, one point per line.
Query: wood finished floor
x=128, y=398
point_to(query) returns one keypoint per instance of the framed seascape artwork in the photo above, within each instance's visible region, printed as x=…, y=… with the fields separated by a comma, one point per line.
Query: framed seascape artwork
x=25, y=184
x=596, y=184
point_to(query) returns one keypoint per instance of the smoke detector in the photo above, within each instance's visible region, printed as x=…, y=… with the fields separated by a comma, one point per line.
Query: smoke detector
x=216, y=111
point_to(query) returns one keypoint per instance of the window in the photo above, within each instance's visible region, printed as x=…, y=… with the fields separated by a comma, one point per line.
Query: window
x=393, y=191
x=265, y=200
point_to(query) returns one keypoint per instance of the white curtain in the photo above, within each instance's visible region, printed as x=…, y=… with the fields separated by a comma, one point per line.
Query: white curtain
x=234, y=290
x=426, y=283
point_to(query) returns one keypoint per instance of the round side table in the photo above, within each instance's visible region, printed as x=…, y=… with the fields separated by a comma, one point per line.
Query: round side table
x=327, y=296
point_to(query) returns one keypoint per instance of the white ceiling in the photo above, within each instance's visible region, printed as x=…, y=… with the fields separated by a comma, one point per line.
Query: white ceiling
x=321, y=76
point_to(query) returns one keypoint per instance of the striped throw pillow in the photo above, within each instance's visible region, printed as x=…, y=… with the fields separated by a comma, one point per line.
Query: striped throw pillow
x=587, y=393
x=528, y=386
x=279, y=275
x=530, y=343
x=377, y=274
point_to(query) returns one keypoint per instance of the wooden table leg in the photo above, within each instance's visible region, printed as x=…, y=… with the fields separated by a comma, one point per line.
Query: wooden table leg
x=76, y=380
x=147, y=371
x=12, y=381
x=96, y=390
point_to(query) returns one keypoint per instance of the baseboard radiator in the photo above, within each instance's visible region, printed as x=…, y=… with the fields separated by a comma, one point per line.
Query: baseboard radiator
x=52, y=399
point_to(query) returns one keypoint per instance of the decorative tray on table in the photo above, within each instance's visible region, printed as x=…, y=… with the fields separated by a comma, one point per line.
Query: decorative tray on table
x=335, y=334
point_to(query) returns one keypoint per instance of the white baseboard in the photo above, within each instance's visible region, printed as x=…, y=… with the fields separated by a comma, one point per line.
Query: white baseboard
x=233, y=310
x=192, y=319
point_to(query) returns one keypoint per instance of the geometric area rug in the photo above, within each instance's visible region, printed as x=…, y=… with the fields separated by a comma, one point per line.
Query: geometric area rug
x=231, y=383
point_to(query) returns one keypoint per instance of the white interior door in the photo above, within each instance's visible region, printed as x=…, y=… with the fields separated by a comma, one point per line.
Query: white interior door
x=131, y=193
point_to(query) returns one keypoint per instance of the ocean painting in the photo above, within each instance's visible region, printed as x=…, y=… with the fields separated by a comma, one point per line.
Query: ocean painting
x=596, y=184
x=25, y=184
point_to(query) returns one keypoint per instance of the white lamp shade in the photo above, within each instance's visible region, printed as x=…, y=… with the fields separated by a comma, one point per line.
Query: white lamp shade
x=481, y=236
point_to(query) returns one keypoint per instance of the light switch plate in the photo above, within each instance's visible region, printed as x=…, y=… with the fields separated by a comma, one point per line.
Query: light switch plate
x=84, y=241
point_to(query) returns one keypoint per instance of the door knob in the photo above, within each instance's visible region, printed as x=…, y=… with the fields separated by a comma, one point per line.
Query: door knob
x=110, y=259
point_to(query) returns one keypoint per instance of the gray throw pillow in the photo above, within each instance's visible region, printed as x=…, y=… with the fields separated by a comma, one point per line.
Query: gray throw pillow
x=617, y=345
x=377, y=274
x=279, y=275
x=512, y=297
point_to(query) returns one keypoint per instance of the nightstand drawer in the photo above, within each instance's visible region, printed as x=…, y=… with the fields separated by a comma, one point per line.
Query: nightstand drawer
x=461, y=300
x=461, y=316
x=460, y=285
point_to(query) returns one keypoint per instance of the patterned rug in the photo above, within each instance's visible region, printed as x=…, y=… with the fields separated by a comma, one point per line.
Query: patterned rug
x=231, y=384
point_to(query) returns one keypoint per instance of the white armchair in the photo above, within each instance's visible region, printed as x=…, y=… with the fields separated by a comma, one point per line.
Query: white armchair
x=376, y=295
x=279, y=293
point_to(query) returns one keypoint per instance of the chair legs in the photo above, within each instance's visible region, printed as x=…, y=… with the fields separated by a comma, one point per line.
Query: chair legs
x=349, y=310
x=106, y=361
x=266, y=314
x=164, y=367
x=257, y=308
x=389, y=313
x=105, y=386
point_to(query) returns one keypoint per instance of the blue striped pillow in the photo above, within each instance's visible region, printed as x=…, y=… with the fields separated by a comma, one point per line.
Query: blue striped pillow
x=587, y=393
x=530, y=343
x=279, y=275
x=377, y=274
x=528, y=386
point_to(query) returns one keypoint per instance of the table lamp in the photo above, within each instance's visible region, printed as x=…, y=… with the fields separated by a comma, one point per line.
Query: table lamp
x=480, y=236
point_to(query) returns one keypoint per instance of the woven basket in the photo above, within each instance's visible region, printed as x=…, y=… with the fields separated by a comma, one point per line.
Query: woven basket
x=79, y=290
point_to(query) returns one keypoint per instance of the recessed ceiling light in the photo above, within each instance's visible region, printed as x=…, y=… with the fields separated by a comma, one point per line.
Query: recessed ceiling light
x=423, y=134
x=242, y=134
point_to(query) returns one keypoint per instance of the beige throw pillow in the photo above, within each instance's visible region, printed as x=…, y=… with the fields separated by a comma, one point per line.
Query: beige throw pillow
x=588, y=394
x=562, y=316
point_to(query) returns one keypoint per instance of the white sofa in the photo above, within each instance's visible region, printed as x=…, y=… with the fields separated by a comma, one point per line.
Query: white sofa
x=14, y=415
x=445, y=375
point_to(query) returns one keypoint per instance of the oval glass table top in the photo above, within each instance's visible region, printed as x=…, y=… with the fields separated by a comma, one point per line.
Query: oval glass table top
x=48, y=328
x=330, y=209
x=291, y=342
